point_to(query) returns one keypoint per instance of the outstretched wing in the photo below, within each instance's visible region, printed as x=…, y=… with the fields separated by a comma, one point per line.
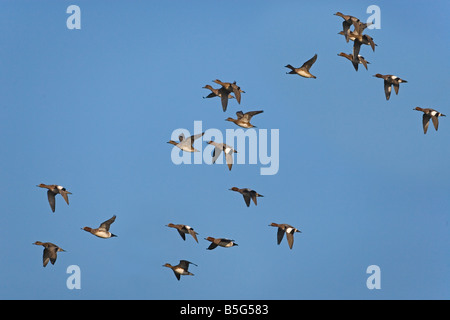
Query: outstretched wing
x=290, y=239
x=356, y=48
x=212, y=246
x=307, y=65
x=224, y=100
x=105, y=225
x=435, y=122
x=185, y=264
x=364, y=62
x=229, y=159
x=425, y=122
x=176, y=275
x=64, y=194
x=194, y=137
x=253, y=194
x=237, y=92
x=280, y=235
x=51, y=199
x=247, y=199
x=387, y=89
x=250, y=114
x=193, y=234
x=345, y=28
x=396, y=86
x=182, y=234
x=216, y=154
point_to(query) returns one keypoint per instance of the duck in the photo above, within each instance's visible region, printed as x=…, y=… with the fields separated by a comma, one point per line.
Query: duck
x=228, y=87
x=243, y=119
x=359, y=39
x=285, y=228
x=222, y=242
x=389, y=81
x=248, y=194
x=429, y=114
x=53, y=190
x=216, y=92
x=304, y=69
x=103, y=230
x=347, y=23
x=50, y=252
x=181, y=268
x=355, y=62
x=183, y=230
x=220, y=92
x=186, y=144
x=218, y=148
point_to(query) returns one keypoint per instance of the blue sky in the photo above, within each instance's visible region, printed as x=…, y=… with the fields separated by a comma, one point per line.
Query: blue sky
x=92, y=110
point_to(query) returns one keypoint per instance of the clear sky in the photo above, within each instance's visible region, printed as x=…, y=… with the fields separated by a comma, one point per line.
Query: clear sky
x=92, y=109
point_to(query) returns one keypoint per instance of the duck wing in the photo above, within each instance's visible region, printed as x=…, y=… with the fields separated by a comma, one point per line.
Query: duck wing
x=212, y=246
x=355, y=64
x=106, y=224
x=253, y=194
x=185, y=264
x=211, y=95
x=216, y=153
x=193, y=234
x=345, y=28
x=49, y=255
x=247, y=199
x=370, y=42
x=176, y=275
x=387, y=89
x=224, y=98
x=239, y=114
x=250, y=114
x=425, y=122
x=364, y=62
x=356, y=47
x=192, y=138
x=236, y=91
x=435, y=122
x=280, y=235
x=307, y=65
x=229, y=159
x=51, y=199
x=64, y=194
x=182, y=234
x=290, y=239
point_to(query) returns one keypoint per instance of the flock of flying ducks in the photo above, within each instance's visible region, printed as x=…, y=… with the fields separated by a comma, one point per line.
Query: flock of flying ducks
x=359, y=38
x=51, y=249
x=226, y=91
x=186, y=145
